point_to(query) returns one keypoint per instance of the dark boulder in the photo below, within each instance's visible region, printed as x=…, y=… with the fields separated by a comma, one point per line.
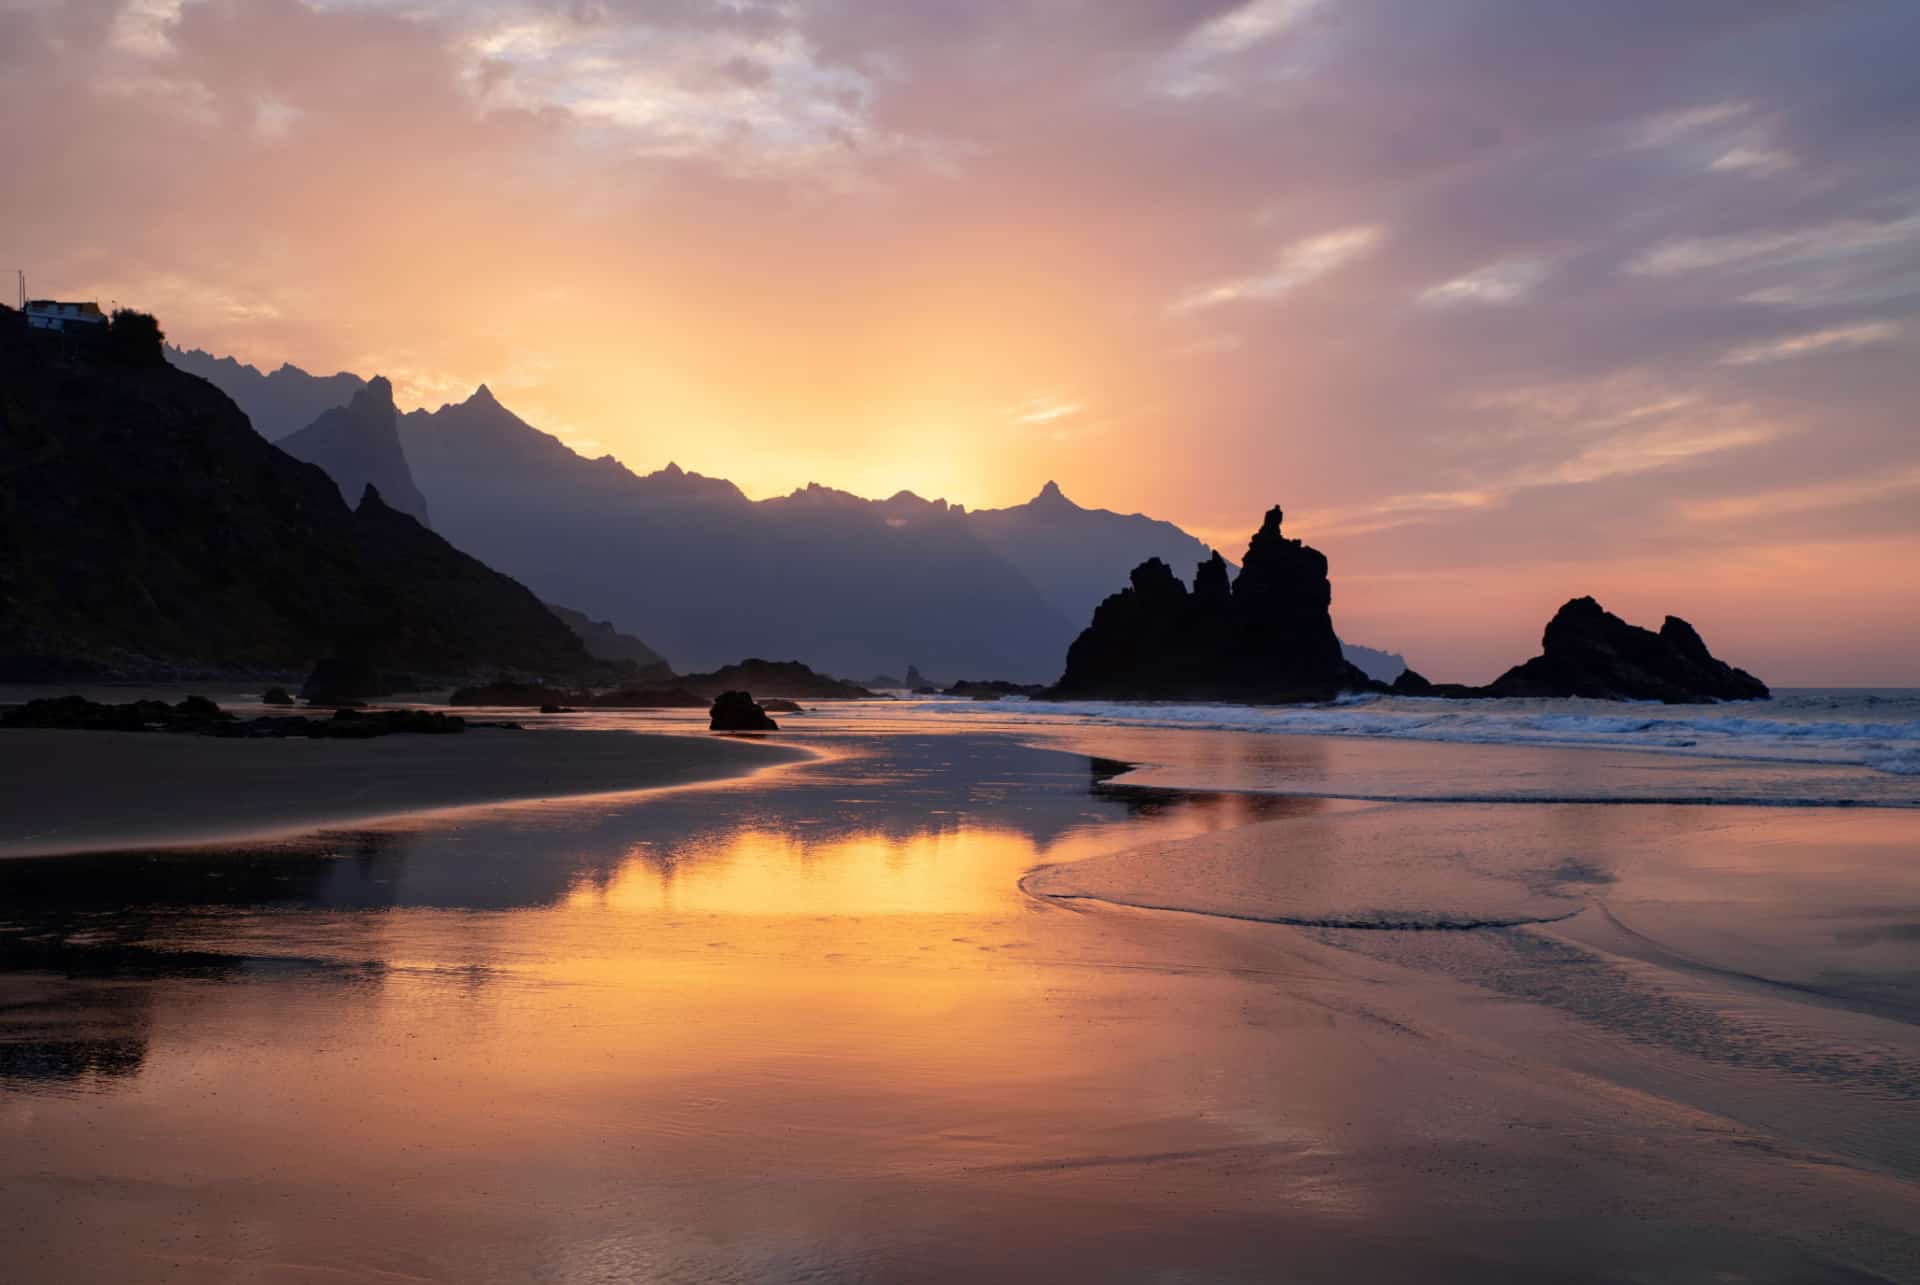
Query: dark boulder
x=993, y=689
x=341, y=680
x=1411, y=683
x=356, y=723
x=1590, y=652
x=649, y=698
x=196, y=715
x=77, y=713
x=531, y=695
x=1264, y=637
x=277, y=696
x=736, y=712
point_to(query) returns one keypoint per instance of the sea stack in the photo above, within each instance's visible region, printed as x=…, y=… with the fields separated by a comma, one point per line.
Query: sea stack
x=1588, y=651
x=1266, y=637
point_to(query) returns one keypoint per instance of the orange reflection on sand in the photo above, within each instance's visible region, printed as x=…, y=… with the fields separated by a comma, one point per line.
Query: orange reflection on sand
x=960, y=870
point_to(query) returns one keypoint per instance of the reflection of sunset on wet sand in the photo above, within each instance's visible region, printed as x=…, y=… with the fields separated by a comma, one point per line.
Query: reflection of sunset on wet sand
x=836, y=1021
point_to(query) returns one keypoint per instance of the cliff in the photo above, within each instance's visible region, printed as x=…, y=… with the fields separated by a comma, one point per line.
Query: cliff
x=146, y=529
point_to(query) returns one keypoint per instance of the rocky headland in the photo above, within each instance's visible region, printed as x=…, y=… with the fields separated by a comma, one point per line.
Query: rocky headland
x=1265, y=637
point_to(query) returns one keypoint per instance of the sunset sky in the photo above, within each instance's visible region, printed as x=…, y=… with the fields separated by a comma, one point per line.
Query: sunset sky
x=1503, y=301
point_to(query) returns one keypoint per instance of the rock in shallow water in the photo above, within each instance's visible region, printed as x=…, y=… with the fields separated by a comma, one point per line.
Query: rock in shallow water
x=1265, y=637
x=737, y=712
x=1588, y=651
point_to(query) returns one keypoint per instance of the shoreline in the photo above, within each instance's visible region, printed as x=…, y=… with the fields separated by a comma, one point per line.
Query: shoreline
x=77, y=792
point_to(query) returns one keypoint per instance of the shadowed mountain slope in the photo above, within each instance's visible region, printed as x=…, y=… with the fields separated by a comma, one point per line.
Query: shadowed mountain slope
x=604, y=642
x=277, y=404
x=708, y=576
x=145, y=528
x=1073, y=555
x=359, y=446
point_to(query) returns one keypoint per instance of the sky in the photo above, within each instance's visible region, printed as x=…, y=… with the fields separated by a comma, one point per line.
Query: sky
x=1503, y=300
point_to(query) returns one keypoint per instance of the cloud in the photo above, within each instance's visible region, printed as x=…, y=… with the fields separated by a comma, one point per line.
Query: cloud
x=1784, y=502
x=1305, y=260
x=1748, y=251
x=1670, y=128
x=1192, y=67
x=1515, y=272
x=1042, y=410
x=1748, y=158
x=1834, y=339
x=1508, y=281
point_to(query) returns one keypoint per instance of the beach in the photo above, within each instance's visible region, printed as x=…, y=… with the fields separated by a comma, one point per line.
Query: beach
x=170, y=790
x=970, y=993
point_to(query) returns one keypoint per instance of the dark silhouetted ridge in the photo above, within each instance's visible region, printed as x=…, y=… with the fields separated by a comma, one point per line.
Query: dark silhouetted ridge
x=146, y=529
x=359, y=446
x=283, y=402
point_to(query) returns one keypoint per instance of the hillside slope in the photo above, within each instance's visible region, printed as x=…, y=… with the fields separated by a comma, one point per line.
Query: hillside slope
x=145, y=529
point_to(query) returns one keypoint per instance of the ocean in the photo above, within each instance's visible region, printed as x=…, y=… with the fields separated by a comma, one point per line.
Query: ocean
x=1386, y=990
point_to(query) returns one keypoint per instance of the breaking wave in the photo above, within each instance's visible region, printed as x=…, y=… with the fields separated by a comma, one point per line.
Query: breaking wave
x=1879, y=730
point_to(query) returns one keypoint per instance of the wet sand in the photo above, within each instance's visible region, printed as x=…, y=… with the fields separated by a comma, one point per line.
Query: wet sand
x=812, y=1026
x=69, y=791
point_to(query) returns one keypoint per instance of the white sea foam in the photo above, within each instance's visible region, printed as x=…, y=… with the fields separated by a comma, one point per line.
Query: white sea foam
x=1874, y=729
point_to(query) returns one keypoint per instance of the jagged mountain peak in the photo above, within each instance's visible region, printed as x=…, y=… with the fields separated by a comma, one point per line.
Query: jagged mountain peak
x=278, y=403
x=359, y=445
x=1051, y=494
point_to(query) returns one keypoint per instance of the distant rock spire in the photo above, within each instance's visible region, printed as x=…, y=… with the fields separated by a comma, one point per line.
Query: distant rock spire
x=376, y=395
x=1266, y=636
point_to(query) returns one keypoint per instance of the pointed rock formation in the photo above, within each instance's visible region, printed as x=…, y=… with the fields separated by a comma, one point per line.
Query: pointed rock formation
x=1588, y=651
x=1267, y=637
x=359, y=446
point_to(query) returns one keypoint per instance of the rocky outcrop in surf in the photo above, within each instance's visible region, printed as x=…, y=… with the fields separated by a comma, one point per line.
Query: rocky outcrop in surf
x=1266, y=637
x=1588, y=651
x=737, y=712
